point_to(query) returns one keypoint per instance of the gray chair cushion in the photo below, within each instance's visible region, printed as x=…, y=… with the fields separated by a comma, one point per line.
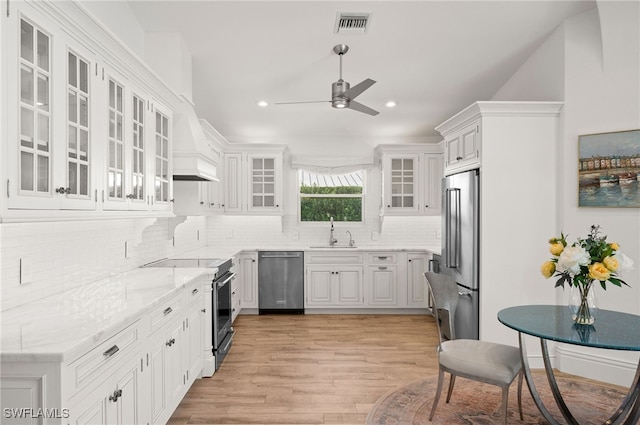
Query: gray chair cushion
x=485, y=360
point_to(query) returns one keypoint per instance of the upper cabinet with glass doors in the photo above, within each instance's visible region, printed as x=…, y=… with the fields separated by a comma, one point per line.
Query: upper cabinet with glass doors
x=80, y=134
x=253, y=180
x=411, y=179
x=49, y=152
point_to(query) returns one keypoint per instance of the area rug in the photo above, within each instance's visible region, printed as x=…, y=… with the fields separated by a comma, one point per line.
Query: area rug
x=474, y=403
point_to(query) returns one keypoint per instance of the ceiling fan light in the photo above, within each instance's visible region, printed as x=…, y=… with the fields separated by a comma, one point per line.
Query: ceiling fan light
x=391, y=104
x=263, y=103
x=339, y=103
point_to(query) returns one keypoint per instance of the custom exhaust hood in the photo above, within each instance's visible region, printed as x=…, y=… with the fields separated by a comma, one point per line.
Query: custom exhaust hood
x=193, y=156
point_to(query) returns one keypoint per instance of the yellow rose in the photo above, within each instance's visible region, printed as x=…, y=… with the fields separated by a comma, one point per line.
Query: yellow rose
x=556, y=248
x=611, y=263
x=547, y=269
x=614, y=246
x=599, y=272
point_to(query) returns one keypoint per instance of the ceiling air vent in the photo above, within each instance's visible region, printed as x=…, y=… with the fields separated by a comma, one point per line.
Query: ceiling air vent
x=352, y=23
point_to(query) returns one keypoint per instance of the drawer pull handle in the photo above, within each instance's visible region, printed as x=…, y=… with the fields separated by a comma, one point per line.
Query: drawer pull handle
x=115, y=396
x=111, y=351
x=171, y=342
x=382, y=268
x=195, y=291
x=167, y=310
x=382, y=258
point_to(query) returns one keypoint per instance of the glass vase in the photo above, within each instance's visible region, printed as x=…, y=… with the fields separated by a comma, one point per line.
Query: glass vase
x=583, y=304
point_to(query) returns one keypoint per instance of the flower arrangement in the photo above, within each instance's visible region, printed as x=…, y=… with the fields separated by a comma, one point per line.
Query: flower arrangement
x=582, y=263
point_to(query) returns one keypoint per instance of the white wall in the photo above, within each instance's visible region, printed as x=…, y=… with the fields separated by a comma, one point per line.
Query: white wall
x=601, y=92
x=120, y=20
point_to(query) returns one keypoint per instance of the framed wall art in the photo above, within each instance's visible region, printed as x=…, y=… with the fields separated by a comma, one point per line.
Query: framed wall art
x=609, y=169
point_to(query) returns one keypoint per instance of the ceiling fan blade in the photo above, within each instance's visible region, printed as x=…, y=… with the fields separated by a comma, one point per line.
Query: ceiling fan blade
x=307, y=101
x=356, y=90
x=361, y=108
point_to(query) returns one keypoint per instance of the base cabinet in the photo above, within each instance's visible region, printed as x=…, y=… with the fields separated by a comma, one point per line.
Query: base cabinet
x=337, y=286
x=417, y=290
x=248, y=264
x=118, y=401
x=138, y=375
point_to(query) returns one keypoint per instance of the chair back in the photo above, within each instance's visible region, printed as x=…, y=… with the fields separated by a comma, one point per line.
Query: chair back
x=443, y=290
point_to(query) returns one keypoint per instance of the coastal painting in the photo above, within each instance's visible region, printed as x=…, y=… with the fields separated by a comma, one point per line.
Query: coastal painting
x=609, y=169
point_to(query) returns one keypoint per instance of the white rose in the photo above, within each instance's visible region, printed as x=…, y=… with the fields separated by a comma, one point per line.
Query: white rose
x=625, y=262
x=572, y=258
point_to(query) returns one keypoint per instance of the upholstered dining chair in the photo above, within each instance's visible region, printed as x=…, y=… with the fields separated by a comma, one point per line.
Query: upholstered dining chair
x=482, y=361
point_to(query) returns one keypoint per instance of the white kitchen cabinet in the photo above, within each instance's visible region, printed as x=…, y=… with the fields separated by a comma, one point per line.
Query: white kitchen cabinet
x=116, y=401
x=401, y=183
x=233, y=183
x=50, y=87
x=253, y=180
x=248, y=265
x=433, y=172
x=382, y=286
x=411, y=179
x=334, y=286
x=417, y=292
x=83, y=134
x=462, y=148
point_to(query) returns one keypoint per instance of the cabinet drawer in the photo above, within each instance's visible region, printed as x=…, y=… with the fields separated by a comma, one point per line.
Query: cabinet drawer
x=194, y=294
x=383, y=258
x=341, y=257
x=165, y=312
x=98, y=360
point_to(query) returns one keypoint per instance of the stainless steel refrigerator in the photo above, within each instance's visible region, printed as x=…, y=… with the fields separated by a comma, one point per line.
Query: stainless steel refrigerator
x=460, y=245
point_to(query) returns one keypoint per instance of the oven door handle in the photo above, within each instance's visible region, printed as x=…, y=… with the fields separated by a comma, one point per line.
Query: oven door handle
x=227, y=280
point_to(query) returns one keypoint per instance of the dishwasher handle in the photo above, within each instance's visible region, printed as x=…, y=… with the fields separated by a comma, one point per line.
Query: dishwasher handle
x=282, y=255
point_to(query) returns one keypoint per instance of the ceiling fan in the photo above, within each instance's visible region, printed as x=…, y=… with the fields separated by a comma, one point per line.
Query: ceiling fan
x=342, y=94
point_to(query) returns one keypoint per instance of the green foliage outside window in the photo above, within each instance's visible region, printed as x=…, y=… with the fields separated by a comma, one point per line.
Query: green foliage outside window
x=321, y=208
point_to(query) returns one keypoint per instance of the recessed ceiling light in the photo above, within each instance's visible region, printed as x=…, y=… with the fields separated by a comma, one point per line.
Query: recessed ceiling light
x=391, y=104
x=263, y=103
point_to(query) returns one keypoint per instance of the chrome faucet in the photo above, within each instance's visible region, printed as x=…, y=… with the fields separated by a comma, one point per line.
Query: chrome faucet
x=351, y=241
x=332, y=239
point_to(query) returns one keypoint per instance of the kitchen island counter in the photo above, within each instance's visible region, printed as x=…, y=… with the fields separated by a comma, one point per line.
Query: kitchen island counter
x=65, y=325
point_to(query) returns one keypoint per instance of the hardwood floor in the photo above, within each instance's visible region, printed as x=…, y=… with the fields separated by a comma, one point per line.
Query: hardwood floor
x=311, y=369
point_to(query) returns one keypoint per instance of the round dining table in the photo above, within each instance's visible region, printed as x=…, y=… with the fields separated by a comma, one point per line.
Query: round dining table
x=611, y=330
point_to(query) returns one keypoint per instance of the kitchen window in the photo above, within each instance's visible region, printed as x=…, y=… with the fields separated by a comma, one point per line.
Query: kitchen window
x=322, y=196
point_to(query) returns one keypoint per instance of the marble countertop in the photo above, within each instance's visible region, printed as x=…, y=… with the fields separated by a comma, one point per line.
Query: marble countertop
x=68, y=324
x=228, y=252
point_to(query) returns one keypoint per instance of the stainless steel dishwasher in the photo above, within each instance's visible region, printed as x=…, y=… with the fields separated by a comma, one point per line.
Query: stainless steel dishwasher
x=281, y=282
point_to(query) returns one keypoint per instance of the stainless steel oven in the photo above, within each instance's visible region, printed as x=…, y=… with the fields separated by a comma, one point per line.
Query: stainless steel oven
x=221, y=306
x=219, y=329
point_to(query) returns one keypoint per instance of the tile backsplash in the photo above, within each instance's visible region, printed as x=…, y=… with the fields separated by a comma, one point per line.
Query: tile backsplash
x=43, y=259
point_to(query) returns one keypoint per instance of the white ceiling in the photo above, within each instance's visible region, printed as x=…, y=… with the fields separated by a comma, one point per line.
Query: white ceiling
x=432, y=57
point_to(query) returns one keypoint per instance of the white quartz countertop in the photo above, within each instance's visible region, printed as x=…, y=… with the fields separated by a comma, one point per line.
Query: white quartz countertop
x=228, y=252
x=65, y=325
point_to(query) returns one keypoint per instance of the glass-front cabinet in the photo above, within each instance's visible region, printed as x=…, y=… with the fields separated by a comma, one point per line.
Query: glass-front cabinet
x=80, y=135
x=50, y=141
x=411, y=179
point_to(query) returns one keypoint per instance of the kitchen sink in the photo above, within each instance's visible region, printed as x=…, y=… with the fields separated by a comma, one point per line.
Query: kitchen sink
x=332, y=247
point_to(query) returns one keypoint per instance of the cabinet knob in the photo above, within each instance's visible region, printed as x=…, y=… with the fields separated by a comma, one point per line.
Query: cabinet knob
x=61, y=190
x=201, y=202
x=115, y=396
x=426, y=206
x=459, y=158
x=204, y=310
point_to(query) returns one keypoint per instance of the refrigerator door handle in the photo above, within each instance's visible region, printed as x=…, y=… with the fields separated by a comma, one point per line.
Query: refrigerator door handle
x=452, y=226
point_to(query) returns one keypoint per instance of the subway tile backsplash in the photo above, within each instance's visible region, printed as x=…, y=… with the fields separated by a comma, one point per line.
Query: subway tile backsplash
x=42, y=259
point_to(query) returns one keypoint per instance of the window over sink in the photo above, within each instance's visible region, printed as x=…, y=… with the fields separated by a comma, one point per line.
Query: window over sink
x=322, y=196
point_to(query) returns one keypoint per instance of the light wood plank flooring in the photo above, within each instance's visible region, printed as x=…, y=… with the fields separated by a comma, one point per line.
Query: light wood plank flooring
x=311, y=369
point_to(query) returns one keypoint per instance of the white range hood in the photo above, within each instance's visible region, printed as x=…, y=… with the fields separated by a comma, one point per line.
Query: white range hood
x=193, y=155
